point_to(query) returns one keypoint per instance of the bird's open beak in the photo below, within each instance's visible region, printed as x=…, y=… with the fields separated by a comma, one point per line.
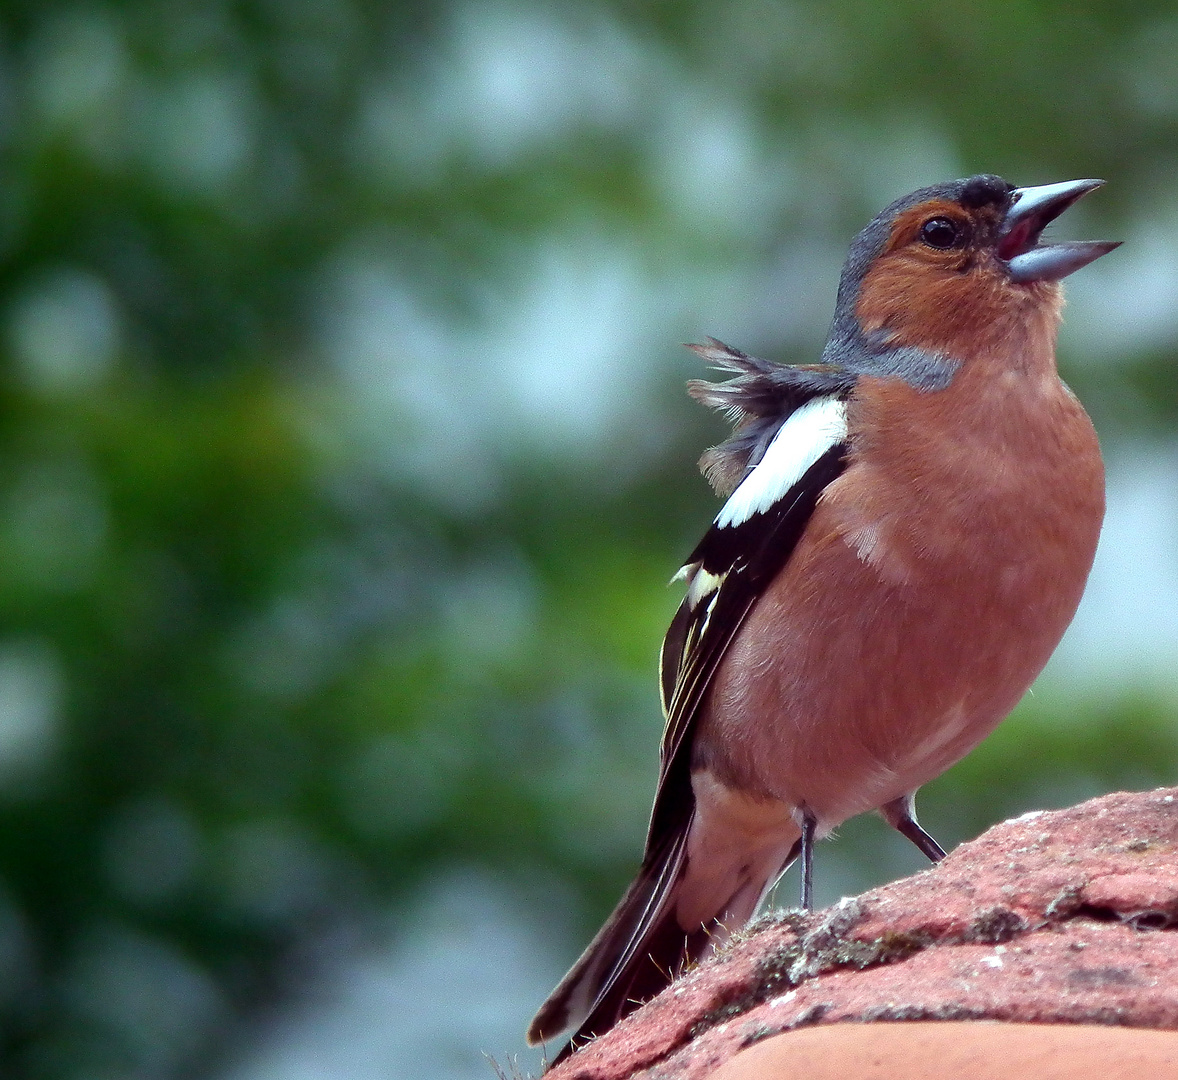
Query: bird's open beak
x=1031, y=211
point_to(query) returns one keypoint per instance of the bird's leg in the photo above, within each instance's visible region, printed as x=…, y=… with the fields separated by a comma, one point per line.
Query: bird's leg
x=790, y=859
x=809, y=826
x=901, y=815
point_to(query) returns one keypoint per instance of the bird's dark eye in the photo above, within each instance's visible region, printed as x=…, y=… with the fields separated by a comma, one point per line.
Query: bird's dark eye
x=941, y=233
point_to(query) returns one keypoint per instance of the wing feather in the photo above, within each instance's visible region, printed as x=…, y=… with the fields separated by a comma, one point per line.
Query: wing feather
x=700, y=635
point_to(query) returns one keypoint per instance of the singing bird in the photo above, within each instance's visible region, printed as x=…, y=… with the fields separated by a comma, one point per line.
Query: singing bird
x=908, y=529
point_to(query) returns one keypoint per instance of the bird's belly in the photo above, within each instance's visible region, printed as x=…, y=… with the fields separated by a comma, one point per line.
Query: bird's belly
x=847, y=687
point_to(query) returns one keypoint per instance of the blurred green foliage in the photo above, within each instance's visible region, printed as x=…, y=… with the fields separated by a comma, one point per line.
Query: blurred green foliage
x=297, y=600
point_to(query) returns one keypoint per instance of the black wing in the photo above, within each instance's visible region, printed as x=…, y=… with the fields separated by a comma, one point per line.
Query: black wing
x=642, y=947
x=741, y=561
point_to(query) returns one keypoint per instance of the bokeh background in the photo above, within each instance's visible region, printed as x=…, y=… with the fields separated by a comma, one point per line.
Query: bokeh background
x=344, y=460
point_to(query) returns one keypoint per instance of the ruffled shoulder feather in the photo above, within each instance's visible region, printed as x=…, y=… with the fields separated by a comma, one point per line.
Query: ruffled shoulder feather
x=758, y=400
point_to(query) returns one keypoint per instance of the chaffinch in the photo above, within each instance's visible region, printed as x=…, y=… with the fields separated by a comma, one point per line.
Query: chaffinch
x=908, y=529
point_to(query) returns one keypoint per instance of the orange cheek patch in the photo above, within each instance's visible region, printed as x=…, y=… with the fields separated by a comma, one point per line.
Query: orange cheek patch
x=905, y=294
x=945, y=306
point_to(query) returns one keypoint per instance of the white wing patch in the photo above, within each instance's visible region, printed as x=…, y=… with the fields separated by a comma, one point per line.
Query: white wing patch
x=703, y=584
x=808, y=433
x=700, y=583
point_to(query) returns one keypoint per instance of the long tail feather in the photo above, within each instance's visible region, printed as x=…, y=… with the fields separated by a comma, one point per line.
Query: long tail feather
x=642, y=948
x=636, y=953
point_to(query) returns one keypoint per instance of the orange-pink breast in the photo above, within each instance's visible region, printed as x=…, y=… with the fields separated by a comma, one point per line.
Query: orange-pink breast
x=933, y=582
